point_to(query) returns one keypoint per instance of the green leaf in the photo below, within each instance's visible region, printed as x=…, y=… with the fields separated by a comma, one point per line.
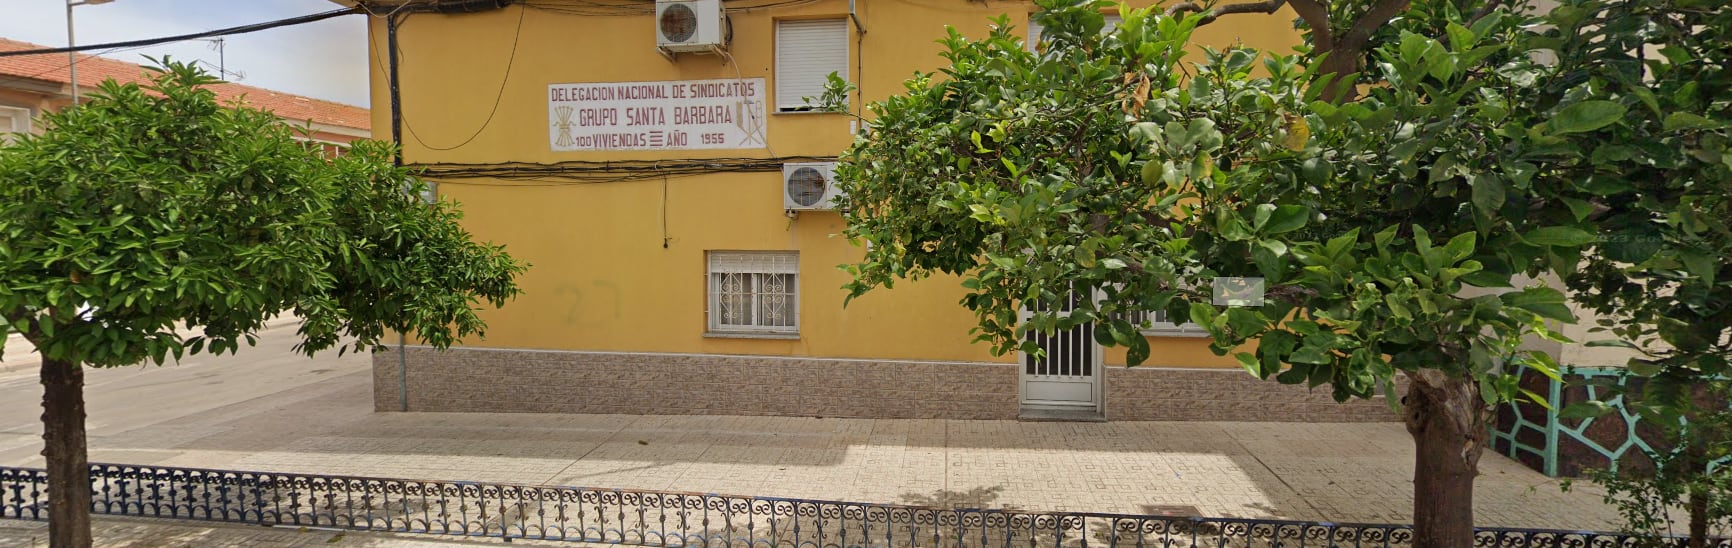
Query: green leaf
x=1688, y=120
x=1286, y=219
x=1244, y=323
x=1461, y=246
x=1580, y=209
x=1267, y=256
x=1536, y=398
x=1586, y=116
x=1488, y=193
x=1585, y=410
x=1561, y=236
x=1261, y=215
x=1311, y=355
x=1700, y=264
x=1152, y=173
x=1084, y=258
x=1137, y=352
x=1460, y=39
x=1544, y=301
x=1202, y=314
x=1250, y=363
x=1632, y=244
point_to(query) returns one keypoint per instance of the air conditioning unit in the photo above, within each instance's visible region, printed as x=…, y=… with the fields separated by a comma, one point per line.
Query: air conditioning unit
x=809, y=186
x=690, y=25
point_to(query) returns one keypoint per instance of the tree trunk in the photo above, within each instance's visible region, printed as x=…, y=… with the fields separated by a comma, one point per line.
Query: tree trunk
x=1703, y=431
x=1447, y=419
x=1343, y=66
x=1695, y=470
x=64, y=448
x=1698, y=519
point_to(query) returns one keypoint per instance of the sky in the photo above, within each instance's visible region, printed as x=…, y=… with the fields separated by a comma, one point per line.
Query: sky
x=325, y=59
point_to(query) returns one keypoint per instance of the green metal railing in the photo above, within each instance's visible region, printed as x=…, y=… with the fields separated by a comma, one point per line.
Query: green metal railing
x=1553, y=429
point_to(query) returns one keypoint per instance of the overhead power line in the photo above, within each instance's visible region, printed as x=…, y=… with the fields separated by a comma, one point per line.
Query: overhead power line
x=183, y=37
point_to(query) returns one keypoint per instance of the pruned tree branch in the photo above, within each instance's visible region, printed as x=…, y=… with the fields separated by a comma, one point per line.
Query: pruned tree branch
x=1483, y=11
x=1209, y=15
x=1316, y=16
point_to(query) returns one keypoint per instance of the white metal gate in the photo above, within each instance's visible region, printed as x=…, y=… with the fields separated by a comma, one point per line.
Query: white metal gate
x=1068, y=377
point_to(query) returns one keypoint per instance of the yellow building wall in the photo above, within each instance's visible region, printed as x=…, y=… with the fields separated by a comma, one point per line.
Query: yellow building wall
x=602, y=278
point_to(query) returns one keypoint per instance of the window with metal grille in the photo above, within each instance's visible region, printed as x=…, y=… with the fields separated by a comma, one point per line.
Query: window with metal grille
x=1034, y=30
x=807, y=52
x=1156, y=324
x=754, y=292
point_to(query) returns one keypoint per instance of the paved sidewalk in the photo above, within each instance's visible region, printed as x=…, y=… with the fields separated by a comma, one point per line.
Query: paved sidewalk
x=264, y=412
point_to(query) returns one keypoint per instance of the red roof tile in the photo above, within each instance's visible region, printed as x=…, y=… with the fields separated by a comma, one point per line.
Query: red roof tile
x=91, y=70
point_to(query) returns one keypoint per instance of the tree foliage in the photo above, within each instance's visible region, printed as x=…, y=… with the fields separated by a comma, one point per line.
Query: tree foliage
x=1391, y=227
x=1654, y=161
x=1646, y=87
x=153, y=222
x=155, y=206
x=1106, y=162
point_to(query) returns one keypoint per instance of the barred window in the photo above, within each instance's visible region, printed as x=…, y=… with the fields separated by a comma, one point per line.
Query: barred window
x=754, y=292
x=1156, y=324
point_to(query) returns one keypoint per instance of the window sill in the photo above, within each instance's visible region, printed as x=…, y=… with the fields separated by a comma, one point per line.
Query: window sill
x=751, y=335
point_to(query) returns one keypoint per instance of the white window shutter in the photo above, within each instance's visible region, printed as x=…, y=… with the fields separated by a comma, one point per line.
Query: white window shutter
x=806, y=53
x=14, y=120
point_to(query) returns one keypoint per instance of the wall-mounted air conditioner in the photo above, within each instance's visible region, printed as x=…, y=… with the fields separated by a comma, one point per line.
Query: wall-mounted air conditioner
x=809, y=186
x=691, y=26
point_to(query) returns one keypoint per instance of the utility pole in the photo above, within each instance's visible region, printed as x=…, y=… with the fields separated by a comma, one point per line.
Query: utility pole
x=72, y=56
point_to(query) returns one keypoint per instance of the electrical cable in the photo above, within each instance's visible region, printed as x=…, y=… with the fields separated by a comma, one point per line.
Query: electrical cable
x=184, y=37
x=594, y=8
x=592, y=172
x=8, y=77
x=665, y=237
x=759, y=125
x=498, y=97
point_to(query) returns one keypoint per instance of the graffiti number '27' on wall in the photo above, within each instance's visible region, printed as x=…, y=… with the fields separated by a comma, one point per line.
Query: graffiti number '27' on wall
x=672, y=115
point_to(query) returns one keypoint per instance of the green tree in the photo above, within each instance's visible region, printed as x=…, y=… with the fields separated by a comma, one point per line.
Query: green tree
x=1658, y=184
x=1389, y=227
x=150, y=208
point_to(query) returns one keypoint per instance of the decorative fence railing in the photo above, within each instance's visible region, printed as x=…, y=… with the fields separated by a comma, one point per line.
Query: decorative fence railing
x=1535, y=435
x=654, y=518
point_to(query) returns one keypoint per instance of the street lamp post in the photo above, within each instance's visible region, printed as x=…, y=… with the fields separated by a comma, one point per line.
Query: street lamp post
x=72, y=56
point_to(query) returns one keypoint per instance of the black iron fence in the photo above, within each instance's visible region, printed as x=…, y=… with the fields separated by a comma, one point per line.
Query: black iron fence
x=655, y=518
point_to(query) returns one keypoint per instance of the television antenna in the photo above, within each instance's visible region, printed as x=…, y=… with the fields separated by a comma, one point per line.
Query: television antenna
x=221, y=67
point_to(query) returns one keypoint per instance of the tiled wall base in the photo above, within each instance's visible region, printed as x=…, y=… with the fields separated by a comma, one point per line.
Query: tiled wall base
x=532, y=381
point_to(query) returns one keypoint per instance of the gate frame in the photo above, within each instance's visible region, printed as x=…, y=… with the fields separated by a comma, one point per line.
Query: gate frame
x=1097, y=367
